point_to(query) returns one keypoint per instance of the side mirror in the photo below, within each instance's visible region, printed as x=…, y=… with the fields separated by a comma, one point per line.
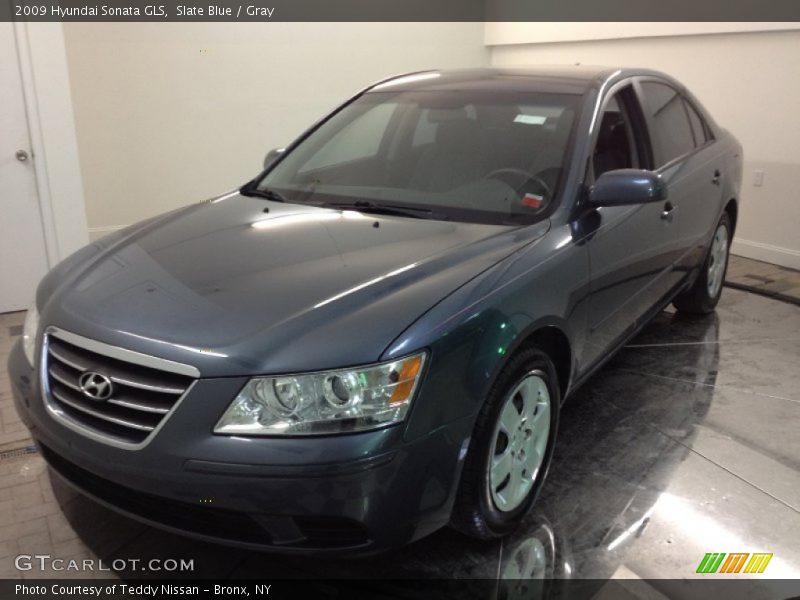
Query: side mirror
x=272, y=155
x=627, y=186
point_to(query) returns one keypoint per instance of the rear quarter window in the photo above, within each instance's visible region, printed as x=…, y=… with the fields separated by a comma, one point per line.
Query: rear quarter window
x=699, y=127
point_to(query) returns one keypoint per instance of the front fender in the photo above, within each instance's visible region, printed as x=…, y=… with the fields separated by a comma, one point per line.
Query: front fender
x=472, y=332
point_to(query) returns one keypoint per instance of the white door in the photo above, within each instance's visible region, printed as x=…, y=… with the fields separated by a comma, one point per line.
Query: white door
x=23, y=260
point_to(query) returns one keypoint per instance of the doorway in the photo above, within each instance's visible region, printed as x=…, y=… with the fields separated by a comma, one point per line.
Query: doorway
x=23, y=256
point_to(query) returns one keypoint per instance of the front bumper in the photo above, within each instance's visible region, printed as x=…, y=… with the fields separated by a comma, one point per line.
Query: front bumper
x=359, y=493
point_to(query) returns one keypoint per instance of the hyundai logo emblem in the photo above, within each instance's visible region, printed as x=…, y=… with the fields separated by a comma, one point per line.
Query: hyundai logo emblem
x=96, y=386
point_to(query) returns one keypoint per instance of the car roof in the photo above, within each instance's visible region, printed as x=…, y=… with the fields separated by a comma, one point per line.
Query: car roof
x=567, y=79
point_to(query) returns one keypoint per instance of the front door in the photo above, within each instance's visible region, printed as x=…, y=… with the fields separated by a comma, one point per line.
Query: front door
x=23, y=260
x=632, y=248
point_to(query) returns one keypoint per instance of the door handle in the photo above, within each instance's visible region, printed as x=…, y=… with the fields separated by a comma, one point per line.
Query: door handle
x=666, y=214
x=717, y=177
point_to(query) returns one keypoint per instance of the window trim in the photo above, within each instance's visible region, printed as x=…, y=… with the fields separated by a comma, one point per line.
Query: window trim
x=710, y=137
x=632, y=107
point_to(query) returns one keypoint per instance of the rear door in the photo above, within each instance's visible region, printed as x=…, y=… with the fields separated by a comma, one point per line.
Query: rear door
x=685, y=154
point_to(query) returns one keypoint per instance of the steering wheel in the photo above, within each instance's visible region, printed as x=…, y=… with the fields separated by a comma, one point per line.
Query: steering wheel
x=508, y=174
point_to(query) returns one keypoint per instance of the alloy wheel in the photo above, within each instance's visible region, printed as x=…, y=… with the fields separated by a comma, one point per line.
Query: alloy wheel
x=717, y=261
x=519, y=442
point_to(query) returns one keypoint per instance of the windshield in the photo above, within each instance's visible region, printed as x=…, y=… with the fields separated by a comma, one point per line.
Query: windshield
x=475, y=156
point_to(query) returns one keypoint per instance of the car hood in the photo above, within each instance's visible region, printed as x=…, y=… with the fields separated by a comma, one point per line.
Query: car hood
x=241, y=285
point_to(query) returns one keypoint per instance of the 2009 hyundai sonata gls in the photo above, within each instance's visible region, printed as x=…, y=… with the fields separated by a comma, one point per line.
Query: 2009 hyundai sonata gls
x=372, y=338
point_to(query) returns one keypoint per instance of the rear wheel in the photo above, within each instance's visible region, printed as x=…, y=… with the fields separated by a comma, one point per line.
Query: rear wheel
x=704, y=294
x=511, y=448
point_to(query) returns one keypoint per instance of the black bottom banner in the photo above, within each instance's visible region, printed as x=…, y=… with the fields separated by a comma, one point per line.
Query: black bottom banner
x=706, y=589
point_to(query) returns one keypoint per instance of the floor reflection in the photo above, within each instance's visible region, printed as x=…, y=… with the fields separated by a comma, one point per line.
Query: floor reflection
x=668, y=453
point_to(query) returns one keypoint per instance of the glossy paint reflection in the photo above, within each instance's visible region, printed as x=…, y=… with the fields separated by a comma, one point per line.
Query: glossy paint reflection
x=685, y=443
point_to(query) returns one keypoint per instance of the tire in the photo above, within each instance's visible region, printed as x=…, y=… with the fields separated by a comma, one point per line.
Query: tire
x=702, y=297
x=485, y=508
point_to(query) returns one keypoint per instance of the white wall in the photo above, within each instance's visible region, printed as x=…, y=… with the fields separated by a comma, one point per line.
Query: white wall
x=169, y=114
x=748, y=81
x=503, y=33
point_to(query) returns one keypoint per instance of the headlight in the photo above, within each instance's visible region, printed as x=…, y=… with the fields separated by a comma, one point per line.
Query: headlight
x=29, y=333
x=337, y=401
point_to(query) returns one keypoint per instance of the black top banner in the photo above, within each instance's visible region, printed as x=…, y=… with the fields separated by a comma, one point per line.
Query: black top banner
x=399, y=10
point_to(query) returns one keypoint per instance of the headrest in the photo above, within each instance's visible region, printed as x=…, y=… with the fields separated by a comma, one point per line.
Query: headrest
x=443, y=115
x=455, y=134
x=610, y=120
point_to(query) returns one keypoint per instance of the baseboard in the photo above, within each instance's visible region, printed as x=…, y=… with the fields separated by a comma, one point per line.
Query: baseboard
x=95, y=233
x=785, y=257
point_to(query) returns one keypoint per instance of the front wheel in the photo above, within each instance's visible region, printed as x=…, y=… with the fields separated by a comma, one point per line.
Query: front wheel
x=704, y=294
x=511, y=448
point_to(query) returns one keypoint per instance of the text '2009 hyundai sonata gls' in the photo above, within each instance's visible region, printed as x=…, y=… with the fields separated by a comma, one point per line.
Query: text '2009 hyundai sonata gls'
x=372, y=338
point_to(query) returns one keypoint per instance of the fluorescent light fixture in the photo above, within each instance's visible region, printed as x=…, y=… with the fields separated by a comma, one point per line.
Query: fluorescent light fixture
x=203, y=351
x=563, y=242
x=225, y=197
x=366, y=284
x=295, y=219
x=354, y=215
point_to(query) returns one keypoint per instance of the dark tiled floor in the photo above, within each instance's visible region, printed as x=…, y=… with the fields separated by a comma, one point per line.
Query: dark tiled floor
x=685, y=443
x=764, y=276
x=12, y=432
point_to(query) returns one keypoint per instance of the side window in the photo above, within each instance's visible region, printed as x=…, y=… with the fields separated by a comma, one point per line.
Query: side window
x=360, y=139
x=613, y=149
x=670, y=131
x=699, y=127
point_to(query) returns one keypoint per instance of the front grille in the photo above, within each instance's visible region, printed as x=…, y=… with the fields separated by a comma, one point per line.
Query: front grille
x=140, y=397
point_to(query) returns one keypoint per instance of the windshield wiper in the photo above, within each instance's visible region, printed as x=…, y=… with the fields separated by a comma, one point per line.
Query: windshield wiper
x=267, y=193
x=367, y=206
